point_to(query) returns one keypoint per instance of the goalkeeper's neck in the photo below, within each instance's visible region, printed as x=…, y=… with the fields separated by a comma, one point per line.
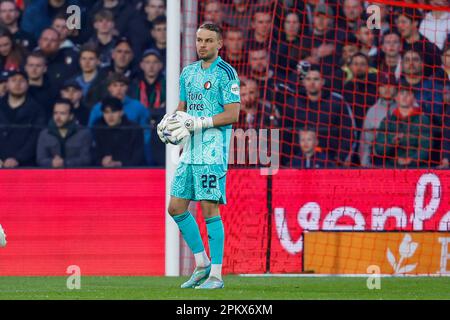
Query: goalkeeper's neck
x=206, y=63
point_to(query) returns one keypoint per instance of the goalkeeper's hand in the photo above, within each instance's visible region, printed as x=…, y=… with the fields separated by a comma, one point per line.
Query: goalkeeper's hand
x=192, y=124
x=160, y=129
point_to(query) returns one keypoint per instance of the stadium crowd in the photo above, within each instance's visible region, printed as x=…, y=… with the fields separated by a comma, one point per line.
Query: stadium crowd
x=342, y=93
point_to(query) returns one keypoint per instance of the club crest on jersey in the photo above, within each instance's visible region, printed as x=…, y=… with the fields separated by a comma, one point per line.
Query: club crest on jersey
x=207, y=85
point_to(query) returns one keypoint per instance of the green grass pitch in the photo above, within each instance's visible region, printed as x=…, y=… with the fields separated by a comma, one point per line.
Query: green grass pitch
x=260, y=288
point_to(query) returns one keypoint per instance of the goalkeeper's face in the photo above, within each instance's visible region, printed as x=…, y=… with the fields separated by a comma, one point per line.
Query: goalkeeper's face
x=208, y=44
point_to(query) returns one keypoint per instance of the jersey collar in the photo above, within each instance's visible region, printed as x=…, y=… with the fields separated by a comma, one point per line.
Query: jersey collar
x=212, y=66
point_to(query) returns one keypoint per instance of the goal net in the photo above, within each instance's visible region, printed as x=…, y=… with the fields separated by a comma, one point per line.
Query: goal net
x=346, y=84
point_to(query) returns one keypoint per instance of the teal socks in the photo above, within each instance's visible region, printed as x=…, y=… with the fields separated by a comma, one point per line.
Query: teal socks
x=216, y=236
x=189, y=229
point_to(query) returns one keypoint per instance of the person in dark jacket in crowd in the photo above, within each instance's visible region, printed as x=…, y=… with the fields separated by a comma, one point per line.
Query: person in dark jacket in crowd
x=407, y=23
x=122, y=59
x=118, y=87
x=158, y=34
x=361, y=91
x=71, y=90
x=255, y=112
x=40, y=88
x=92, y=78
x=323, y=111
x=152, y=9
x=404, y=139
x=311, y=155
x=12, y=54
x=21, y=119
x=9, y=18
x=64, y=144
x=39, y=14
x=104, y=38
x=149, y=88
x=128, y=22
x=61, y=63
x=118, y=141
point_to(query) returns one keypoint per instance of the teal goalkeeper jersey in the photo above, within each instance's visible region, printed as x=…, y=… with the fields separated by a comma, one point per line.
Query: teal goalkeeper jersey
x=206, y=92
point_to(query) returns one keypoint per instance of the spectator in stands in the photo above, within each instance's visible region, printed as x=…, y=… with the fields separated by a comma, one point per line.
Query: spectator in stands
x=237, y=15
x=11, y=54
x=383, y=108
x=255, y=112
x=436, y=24
x=321, y=110
x=213, y=12
x=360, y=92
x=427, y=92
x=72, y=91
x=306, y=10
x=407, y=23
x=21, y=119
x=261, y=72
x=92, y=79
x=9, y=18
x=159, y=36
x=445, y=158
x=149, y=87
x=118, y=141
x=261, y=27
x=424, y=88
x=311, y=155
x=404, y=139
x=442, y=74
x=320, y=46
x=40, y=88
x=104, y=37
x=61, y=63
x=368, y=45
x=60, y=24
x=117, y=87
x=391, y=47
x=233, y=50
x=3, y=83
x=353, y=17
x=152, y=10
x=128, y=22
x=63, y=144
x=122, y=59
x=349, y=48
x=287, y=50
x=39, y=14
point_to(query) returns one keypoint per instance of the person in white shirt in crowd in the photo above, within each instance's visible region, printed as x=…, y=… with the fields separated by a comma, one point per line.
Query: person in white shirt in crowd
x=436, y=25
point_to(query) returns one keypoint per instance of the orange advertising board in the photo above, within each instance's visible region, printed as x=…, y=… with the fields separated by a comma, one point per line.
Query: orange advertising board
x=396, y=253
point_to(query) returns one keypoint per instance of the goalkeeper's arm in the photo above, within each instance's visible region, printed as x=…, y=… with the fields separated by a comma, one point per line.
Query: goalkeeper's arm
x=181, y=106
x=230, y=115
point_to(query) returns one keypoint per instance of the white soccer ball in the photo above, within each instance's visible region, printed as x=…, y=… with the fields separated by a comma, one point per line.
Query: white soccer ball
x=168, y=134
x=172, y=140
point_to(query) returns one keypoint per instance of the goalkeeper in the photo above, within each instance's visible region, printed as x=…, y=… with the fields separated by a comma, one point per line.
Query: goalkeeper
x=209, y=105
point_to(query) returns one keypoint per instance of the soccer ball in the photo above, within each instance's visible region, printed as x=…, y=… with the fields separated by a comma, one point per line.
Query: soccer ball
x=168, y=134
x=172, y=140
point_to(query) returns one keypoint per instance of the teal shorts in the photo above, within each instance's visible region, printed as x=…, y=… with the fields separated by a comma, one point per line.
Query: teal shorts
x=199, y=182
